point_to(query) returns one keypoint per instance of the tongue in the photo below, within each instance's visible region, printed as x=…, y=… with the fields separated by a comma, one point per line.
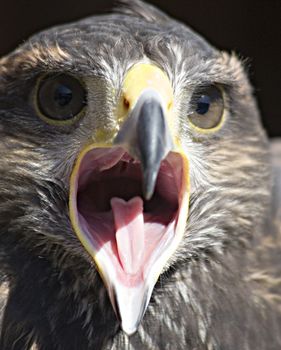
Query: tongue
x=129, y=227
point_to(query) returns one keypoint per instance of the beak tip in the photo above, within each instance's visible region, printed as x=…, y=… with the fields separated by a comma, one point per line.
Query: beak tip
x=147, y=194
x=150, y=177
x=130, y=305
x=130, y=317
x=129, y=330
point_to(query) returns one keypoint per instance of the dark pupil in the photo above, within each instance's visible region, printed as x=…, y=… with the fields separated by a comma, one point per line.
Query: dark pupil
x=203, y=104
x=63, y=95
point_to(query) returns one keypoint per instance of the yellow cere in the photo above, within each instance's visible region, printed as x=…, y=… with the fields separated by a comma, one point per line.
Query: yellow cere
x=140, y=77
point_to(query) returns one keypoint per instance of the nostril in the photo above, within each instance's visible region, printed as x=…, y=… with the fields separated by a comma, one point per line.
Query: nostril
x=126, y=103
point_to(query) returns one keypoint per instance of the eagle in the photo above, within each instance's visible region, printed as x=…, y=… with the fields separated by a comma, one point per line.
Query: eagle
x=139, y=194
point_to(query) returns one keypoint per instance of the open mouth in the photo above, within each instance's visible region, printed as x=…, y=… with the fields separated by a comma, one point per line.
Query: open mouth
x=129, y=196
x=113, y=220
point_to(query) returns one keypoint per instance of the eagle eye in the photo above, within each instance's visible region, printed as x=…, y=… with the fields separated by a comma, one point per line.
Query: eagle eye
x=208, y=108
x=60, y=98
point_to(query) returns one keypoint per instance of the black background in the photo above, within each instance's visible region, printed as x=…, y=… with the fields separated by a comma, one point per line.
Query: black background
x=249, y=27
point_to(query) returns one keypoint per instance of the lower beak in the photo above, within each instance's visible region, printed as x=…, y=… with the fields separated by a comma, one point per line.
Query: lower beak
x=129, y=206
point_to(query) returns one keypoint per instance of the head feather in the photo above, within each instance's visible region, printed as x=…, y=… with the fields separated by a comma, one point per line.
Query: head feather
x=140, y=9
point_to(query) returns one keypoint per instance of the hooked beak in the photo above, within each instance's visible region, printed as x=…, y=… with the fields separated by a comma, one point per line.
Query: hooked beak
x=129, y=199
x=147, y=137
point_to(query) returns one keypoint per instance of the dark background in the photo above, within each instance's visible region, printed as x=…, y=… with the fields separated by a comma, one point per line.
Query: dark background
x=249, y=27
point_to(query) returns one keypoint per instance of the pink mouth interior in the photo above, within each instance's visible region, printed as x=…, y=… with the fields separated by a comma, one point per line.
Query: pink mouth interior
x=113, y=214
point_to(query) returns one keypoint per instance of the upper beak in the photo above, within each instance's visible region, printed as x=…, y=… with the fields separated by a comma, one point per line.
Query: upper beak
x=146, y=136
x=131, y=264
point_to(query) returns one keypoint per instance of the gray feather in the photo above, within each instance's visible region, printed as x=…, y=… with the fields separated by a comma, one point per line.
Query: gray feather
x=221, y=289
